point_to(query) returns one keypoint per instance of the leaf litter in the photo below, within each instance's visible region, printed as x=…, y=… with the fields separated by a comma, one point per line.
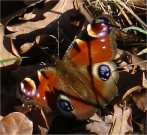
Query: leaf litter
x=35, y=29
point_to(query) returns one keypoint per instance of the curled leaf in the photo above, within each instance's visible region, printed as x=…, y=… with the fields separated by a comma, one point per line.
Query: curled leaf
x=8, y=51
x=122, y=121
x=144, y=81
x=140, y=98
x=98, y=126
x=143, y=51
x=130, y=91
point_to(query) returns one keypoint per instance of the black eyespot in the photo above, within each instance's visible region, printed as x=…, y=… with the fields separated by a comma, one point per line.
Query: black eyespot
x=104, y=72
x=65, y=105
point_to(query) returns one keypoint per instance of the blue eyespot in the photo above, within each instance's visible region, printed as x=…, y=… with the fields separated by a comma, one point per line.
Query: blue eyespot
x=65, y=105
x=104, y=72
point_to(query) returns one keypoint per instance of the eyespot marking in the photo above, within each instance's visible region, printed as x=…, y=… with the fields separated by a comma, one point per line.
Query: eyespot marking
x=104, y=72
x=65, y=105
x=28, y=88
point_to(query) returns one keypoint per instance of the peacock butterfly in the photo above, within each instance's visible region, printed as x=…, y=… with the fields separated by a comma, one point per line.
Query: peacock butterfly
x=82, y=80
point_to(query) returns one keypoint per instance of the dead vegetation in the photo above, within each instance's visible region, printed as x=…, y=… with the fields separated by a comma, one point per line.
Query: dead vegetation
x=29, y=35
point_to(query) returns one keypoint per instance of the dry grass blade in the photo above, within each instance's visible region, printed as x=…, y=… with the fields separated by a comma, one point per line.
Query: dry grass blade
x=131, y=12
x=125, y=15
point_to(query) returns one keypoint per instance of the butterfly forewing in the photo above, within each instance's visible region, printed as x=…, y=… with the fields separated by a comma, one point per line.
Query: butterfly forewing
x=94, y=44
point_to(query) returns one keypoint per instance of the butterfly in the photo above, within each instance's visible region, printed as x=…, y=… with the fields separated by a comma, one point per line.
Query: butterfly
x=84, y=78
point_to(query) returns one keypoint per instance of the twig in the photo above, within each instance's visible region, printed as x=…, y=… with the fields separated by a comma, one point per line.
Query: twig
x=136, y=88
x=125, y=15
x=131, y=12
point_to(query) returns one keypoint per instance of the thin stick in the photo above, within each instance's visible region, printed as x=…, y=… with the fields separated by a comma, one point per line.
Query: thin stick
x=125, y=15
x=136, y=88
x=122, y=4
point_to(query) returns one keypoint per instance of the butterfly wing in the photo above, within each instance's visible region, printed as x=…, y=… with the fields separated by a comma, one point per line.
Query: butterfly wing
x=105, y=74
x=63, y=89
x=40, y=87
x=71, y=87
x=95, y=44
x=91, y=49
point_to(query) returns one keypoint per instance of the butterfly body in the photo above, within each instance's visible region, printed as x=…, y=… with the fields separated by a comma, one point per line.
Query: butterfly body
x=81, y=80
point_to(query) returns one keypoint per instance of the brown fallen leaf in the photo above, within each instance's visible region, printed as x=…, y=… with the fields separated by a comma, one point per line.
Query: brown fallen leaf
x=27, y=16
x=130, y=91
x=51, y=18
x=140, y=3
x=142, y=52
x=16, y=123
x=98, y=126
x=7, y=50
x=122, y=120
x=43, y=121
x=144, y=80
x=1, y=117
x=119, y=123
x=140, y=99
x=48, y=13
x=139, y=96
x=25, y=47
x=132, y=59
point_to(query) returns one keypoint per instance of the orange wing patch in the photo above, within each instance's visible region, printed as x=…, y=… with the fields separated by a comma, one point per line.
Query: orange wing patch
x=48, y=84
x=95, y=51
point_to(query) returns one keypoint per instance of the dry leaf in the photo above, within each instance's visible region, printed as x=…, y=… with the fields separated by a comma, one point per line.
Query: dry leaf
x=43, y=121
x=25, y=47
x=51, y=18
x=130, y=91
x=7, y=50
x=27, y=16
x=48, y=12
x=140, y=98
x=16, y=123
x=99, y=126
x=142, y=52
x=1, y=117
x=122, y=121
x=144, y=80
x=132, y=59
x=138, y=94
x=140, y=3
